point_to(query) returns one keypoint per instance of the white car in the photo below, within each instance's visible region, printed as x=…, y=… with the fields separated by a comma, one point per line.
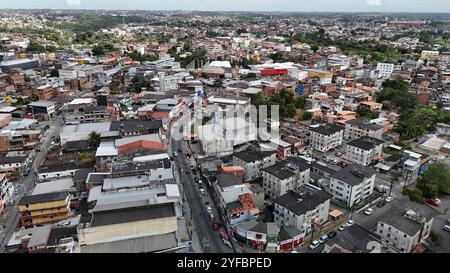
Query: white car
x=343, y=227
x=389, y=199
x=175, y=154
x=314, y=244
x=209, y=209
x=368, y=211
x=350, y=223
x=202, y=191
x=323, y=239
x=446, y=228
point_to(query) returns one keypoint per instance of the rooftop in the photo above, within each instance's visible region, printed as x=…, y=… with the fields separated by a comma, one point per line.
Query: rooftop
x=354, y=174
x=42, y=198
x=134, y=214
x=327, y=129
x=365, y=142
x=308, y=200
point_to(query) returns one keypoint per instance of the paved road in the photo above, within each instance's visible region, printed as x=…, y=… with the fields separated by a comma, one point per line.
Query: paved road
x=27, y=183
x=195, y=201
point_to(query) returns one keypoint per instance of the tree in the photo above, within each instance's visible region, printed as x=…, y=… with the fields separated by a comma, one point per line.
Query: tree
x=300, y=102
x=94, y=139
x=436, y=179
x=307, y=115
x=35, y=47
x=364, y=112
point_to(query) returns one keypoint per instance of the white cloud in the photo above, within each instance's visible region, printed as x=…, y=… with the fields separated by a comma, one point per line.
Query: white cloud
x=73, y=2
x=374, y=2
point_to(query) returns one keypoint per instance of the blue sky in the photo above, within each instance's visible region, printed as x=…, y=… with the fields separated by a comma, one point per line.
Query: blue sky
x=247, y=5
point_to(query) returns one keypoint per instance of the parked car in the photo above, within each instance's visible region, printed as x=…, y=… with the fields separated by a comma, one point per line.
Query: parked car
x=343, y=227
x=202, y=191
x=175, y=154
x=381, y=204
x=389, y=199
x=314, y=244
x=180, y=150
x=446, y=228
x=323, y=239
x=332, y=234
x=368, y=211
x=350, y=223
x=434, y=202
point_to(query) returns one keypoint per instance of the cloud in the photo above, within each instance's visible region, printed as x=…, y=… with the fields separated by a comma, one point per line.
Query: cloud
x=374, y=2
x=73, y=2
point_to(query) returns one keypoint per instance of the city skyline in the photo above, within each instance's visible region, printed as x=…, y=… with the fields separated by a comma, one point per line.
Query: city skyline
x=415, y=6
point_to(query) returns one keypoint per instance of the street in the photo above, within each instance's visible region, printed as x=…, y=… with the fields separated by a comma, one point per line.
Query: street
x=10, y=219
x=195, y=201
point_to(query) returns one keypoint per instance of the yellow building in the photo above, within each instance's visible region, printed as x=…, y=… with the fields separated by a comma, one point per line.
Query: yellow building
x=430, y=55
x=40, y=209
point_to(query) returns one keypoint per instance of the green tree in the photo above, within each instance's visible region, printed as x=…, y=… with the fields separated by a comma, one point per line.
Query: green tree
x=94, y=139
x=364, y=112
x=436, y=179
x=35, y=47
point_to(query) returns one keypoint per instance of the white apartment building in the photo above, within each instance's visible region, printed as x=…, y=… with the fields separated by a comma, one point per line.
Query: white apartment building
x=289, y=175
x=342, y=61
x=220, y=137
x=404, y=226
x=364, y=150
x=352, y=184
x=300, y=210
x=385, y=70
x=326, y=137
x=446, y=99
x=253, y=162
x=357, y=128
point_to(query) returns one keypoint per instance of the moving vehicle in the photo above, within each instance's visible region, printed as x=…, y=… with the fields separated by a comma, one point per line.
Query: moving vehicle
x=314, y=244
x=215, y=225
x=202, y=191
x=211, y=216
x=389, y=199
x=381, y=204
x=175, y=154
x=209, y=209
x=350, y=223
x=368, y=211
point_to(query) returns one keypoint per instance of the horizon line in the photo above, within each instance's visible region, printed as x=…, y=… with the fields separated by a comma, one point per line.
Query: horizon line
x=228, y=11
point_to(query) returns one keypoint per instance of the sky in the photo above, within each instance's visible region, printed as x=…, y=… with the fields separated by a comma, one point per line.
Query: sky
x=239, y=5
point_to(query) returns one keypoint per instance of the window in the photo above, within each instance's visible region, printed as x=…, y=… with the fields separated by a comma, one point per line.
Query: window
x=258, y=236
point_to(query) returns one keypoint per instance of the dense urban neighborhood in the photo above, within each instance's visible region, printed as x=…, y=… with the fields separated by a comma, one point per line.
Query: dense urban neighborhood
x=224, y=132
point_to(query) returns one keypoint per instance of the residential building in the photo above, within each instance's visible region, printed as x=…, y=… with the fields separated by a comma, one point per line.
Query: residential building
x=385, y=70
x=326, y=137
x=357, y=128
x=285, y=176
x=41, y=209
x=300, y=210
x=364, y=150
x=405, y=225
x=253, y=161
x=352, y=184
